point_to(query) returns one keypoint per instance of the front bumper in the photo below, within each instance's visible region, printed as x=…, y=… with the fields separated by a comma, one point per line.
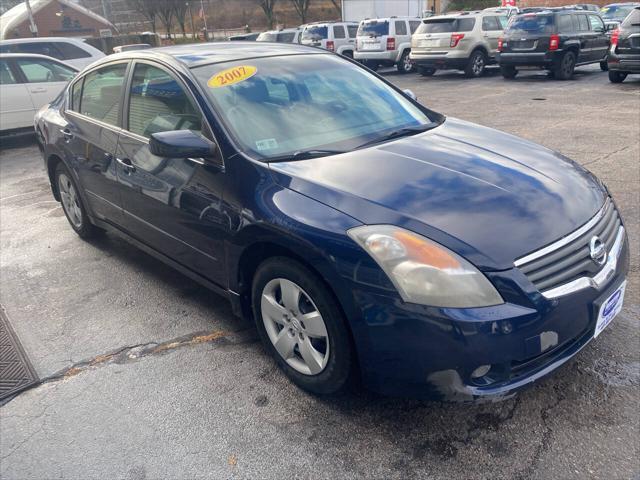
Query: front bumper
x=426, y=352
x=529, y=59
x=627, y=63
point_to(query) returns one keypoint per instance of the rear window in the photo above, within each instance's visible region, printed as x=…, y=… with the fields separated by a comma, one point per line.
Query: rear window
x=632, y=19
x=447, y=25
x=532, y=23
x=315, y=32
x=70, y=51
x=373, y=28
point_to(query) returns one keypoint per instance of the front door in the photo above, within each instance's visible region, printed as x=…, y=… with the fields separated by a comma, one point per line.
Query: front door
x=600, y=42
x=16, y=109
x=173, y=205
x=90, y=137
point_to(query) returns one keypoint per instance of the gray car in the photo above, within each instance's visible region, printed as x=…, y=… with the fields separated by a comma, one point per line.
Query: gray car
x=463, y=41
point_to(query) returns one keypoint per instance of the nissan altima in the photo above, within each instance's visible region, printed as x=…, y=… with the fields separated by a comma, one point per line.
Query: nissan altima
x=369, y=237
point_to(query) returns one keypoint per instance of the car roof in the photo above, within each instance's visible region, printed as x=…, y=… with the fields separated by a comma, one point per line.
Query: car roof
x=194, y=55
x=42, y=39
x=389, y=18
x=284, y=30
x=36, y=56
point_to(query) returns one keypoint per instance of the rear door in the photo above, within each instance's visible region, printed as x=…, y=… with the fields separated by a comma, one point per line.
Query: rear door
x=91, y=136
x=585, y=38
x=530, y=33
x=435, y=35
x=45, y=79
x=372, y=35
x=492, y=30
x=16, y=108
x=171, y=204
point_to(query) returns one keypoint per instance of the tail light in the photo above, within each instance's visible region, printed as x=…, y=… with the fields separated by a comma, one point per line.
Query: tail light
x=615, y=36
x=331, y=46
x=455, y=39
x=554, y=42
x=391, y=43
x=500, y=42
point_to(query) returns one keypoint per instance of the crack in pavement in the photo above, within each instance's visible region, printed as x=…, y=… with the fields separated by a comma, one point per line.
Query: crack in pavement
x=133, y=353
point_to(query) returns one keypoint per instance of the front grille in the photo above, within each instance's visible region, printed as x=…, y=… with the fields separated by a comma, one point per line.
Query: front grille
x=572, y=260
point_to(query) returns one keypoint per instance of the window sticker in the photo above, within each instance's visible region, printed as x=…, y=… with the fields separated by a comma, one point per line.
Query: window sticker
x=231, y=76
x=266, y=144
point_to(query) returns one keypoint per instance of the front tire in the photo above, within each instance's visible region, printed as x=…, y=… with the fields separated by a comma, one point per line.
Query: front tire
x=405, y=65
x=301, y=325
x=508, y=72
x=72, y=204
x=564, y=69
x=476, y=64
x=616, y=77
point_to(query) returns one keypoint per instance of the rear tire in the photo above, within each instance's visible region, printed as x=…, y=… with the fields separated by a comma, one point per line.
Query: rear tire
x=604, y=66
x=426, y=72
x=297, y=315
x=476, y=64
x=508, y=72
x=72, y=204
x=563, y=70
x=616, y=77
x=405, y=65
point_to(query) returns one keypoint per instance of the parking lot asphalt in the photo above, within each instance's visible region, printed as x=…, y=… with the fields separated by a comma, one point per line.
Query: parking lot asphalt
x=148, y=375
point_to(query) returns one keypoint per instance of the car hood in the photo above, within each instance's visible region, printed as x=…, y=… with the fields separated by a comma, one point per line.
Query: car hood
x=489, y=196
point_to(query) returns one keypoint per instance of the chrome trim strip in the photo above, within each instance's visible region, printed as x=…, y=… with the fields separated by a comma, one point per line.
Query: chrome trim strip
x=563, y=241
x=599, y=279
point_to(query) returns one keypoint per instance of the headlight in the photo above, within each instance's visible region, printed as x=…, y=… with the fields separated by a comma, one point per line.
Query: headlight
x=424, y=271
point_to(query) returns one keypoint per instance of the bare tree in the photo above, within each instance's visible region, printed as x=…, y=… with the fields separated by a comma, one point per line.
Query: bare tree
x=268, y=7
x=338, y=6
x=180, y=11
x=302, y=7
x=165, y=13
x=148, y=8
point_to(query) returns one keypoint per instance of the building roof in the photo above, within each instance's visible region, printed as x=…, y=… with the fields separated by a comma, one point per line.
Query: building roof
x=18, y=14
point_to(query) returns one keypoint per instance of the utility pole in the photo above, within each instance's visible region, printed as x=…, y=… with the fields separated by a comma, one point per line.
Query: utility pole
x=204, y=17
x=33, y=27
x=193, y=30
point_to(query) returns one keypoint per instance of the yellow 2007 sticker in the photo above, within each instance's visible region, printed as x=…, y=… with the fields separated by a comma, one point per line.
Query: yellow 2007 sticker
x=232, y=75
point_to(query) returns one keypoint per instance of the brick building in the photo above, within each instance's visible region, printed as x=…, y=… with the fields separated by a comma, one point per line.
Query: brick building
x=54, y=18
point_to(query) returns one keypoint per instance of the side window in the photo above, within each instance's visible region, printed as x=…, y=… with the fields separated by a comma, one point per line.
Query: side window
x=503, y=21
x=41, y=48
x=44, y=71
x=158, y=103
x=490, y=24
x=286, y=37
x=102, y=93
x=565, y=25
x=414, y=24
x=466, y=24
x=583, y=24
x=338, y=32
x=401, y=27
x=76, y=91
x=353, y=31
x=597, y=25
x=6, y=75
x=70, y=51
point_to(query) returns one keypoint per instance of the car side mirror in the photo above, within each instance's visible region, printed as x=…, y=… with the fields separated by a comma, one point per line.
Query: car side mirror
x=410, y=94
x=184, y=144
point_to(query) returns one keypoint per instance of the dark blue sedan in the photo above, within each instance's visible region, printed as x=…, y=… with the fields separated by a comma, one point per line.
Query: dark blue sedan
x=369, y=237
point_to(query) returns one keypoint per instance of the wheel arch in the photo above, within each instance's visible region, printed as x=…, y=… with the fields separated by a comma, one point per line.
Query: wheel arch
x=52, y=163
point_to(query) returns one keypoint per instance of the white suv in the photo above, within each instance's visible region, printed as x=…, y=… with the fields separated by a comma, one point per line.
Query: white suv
x=286, y=35
x=339, y=37
x=386, y=42
x=72, y=51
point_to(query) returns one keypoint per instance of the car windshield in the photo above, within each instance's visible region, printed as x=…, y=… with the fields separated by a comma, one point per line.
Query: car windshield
x=373, y=28
x=616, y=12
x=532, y=23
x=446, y=25
x=284, y=105
x=315, y=32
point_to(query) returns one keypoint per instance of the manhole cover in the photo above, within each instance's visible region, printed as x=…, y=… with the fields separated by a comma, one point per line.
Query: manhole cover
x=16, y=373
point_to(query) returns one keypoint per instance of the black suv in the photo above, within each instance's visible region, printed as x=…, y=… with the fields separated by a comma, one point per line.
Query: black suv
x=554, y=39
x=624, y=56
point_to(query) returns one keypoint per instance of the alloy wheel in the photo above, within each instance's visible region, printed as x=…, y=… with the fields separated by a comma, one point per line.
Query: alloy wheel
x=478, y=65
x=295, y=326
x=70, y=200
x=406, y=63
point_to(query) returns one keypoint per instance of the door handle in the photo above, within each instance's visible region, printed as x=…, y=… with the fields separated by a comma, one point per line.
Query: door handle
x=38, y=90
x=66, y=133
x=127, y=166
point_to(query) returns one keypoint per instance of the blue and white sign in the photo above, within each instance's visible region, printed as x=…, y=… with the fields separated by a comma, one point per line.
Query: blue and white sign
x=609, y=309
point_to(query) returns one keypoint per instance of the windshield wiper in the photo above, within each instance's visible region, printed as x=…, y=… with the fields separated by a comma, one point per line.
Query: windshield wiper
x=303, y=155
x=401, y=132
